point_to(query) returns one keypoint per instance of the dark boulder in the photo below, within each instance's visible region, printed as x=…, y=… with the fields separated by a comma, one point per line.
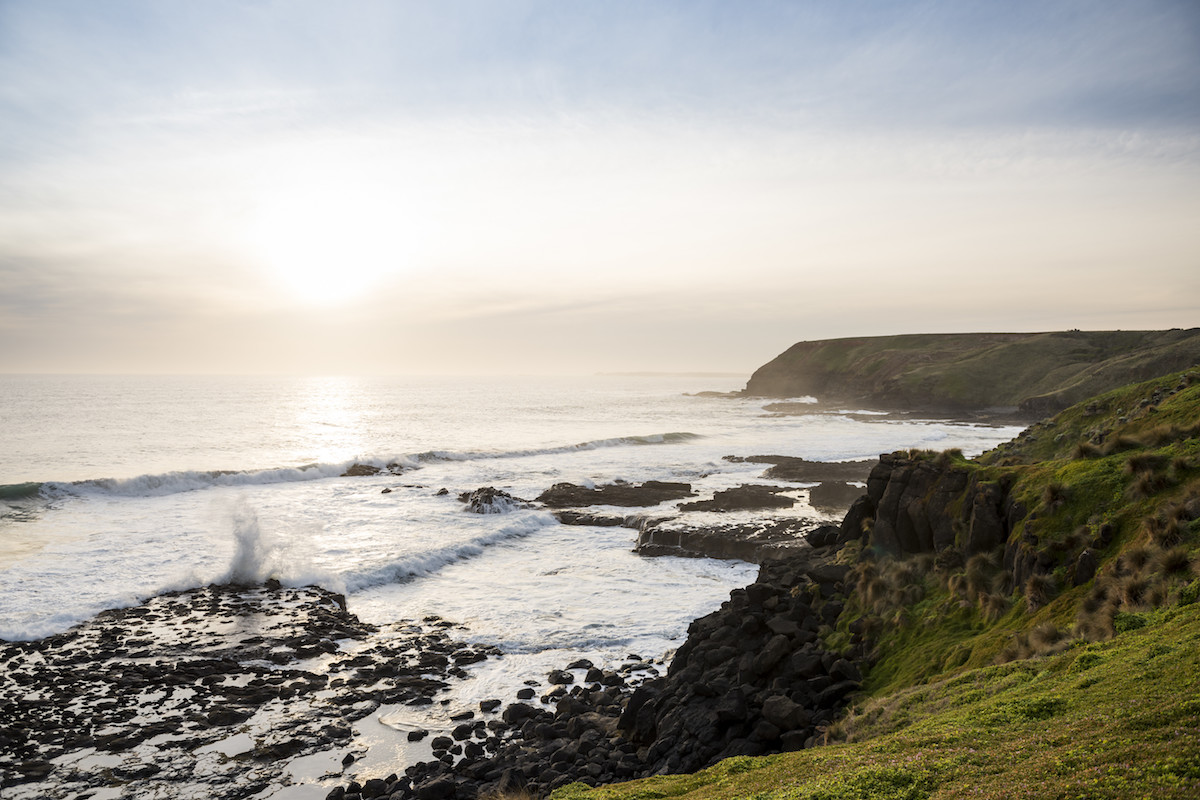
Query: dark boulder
x=490, y=500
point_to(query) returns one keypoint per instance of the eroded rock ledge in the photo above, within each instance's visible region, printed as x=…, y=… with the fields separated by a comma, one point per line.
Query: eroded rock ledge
x=619, y=493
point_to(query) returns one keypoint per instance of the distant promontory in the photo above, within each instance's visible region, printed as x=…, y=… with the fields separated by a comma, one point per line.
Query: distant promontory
x=1033, y=373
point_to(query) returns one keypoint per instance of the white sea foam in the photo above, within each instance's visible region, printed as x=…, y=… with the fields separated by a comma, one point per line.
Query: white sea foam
x=101, y=543
x=429, y=562
x=159, y=484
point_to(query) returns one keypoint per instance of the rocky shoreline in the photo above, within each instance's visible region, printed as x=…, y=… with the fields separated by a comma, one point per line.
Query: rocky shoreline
x=210, y=689
x=218, y=689
x=751, y=678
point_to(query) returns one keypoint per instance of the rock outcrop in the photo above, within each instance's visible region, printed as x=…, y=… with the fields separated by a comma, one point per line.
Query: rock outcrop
x=619, y=493
x=490, y=500
x=748, y=497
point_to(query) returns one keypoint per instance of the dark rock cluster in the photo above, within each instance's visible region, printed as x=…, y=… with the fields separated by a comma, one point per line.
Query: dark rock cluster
x=752, y=678
x=152, y=685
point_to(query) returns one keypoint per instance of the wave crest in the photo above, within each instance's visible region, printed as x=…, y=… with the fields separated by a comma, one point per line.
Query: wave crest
x=158, y=484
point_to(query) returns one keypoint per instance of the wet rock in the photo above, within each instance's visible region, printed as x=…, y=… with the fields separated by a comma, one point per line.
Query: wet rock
x=749, y=497
x=755, y=542
x=490, y=500
x=439, y=788
x=650, y=493
x=834, y=495
x=799, y=470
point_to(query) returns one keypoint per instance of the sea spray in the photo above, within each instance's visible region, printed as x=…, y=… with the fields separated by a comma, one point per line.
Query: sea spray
x=254, y=556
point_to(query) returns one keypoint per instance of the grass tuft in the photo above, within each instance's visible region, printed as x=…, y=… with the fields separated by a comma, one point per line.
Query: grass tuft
x=1039, y=590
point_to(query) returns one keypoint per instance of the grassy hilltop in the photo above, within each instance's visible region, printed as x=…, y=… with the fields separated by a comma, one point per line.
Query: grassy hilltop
x=1063, y=661
x=1039, y=373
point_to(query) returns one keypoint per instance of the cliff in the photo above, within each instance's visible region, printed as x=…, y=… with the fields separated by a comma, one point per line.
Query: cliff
x=1037, y=373
x=1040, y=599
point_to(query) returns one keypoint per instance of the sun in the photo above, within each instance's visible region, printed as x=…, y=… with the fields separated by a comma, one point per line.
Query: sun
x=331, y=244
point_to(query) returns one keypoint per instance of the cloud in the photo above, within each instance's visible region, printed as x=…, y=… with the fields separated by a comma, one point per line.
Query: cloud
x=183, y=186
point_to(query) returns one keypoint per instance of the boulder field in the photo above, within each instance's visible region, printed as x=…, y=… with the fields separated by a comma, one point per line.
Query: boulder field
x=751, y=678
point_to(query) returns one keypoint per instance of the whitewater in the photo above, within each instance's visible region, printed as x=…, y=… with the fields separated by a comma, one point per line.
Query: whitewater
x=116, y=489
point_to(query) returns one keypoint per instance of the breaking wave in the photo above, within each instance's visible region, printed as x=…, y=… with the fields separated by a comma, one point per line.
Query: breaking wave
x=430, y=561
x=158, y=484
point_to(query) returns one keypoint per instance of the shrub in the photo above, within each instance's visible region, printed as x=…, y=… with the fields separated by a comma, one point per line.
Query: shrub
x=1039, y=590
x=1054, y=495
x=1168, y=533
x=1120, y=443
x=1133, y=561
x=1095, y=628
x=1190, y=593
x=1124, y=621
x=1148, y=484
x=1144, y=462
x=947, y=457
x=1134, y=591
x=1175, y=561
x=993, y=606
x=1015, y=650
x=876, y=590
x=1046, y=637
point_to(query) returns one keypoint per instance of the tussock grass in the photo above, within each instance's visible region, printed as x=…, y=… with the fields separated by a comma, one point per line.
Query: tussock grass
x=1176, y=561
x=1145, y=462
x=1039, y=589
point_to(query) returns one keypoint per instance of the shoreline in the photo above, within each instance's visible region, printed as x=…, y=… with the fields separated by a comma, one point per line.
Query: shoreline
x=256, y=689
x=750, y=679
x=267, y=686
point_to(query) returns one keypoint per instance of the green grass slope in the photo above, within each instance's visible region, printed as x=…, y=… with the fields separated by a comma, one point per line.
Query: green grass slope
x=1118, y=719
x=1072, y=683
x=1039, y=372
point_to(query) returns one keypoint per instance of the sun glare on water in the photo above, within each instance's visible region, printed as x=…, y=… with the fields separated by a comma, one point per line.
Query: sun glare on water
x=331, y=246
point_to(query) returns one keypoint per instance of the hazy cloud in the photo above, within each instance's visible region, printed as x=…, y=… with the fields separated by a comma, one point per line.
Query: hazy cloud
x=378, y=186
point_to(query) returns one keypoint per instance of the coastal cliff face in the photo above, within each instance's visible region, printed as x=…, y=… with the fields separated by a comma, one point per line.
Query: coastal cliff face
x=1079, y=520
x=1035, y=373
x=920, y=503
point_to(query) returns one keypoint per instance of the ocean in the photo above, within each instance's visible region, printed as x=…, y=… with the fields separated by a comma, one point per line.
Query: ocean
x=117, y=489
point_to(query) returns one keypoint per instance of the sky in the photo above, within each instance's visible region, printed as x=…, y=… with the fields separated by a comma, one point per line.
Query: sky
x=516, y=186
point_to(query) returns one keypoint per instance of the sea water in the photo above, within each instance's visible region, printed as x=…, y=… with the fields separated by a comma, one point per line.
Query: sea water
x=114, y=489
